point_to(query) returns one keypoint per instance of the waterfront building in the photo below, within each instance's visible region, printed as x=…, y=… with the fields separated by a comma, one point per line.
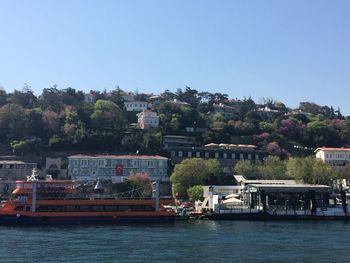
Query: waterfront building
x=15, y=170
x=12, y=171
x=335, y=157
x=135, y=105
x=53, y=167
x=147, y=119
x=227, y=154
x=116, y=167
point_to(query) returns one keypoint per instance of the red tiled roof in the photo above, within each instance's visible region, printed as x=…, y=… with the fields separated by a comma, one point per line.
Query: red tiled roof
x=331, y=149
x=119, y=156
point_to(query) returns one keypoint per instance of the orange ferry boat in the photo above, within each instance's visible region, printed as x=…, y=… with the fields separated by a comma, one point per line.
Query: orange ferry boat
x=50, y=202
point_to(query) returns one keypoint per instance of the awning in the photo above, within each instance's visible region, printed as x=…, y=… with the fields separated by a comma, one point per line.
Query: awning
x=232, y=200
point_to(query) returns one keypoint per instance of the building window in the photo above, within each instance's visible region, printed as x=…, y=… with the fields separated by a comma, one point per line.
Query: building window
x=233, y=156
x=241, y=157
x=151, y=164
x=198, y=154
x=206, y=155
x=189, y=154
x=225, y=155
x=256, y=157
x=180, y=153
x=216, y=155
x=249, y=156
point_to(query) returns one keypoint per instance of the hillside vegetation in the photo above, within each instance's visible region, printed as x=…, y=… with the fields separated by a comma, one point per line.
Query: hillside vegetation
x=61, y=119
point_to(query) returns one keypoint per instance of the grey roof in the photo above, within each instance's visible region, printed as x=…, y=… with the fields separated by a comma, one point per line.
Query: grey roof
x=241, y=179
x=290, y=187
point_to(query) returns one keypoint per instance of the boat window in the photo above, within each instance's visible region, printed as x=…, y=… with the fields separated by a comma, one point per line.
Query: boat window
x=123, y=208
x=96, y=208
x=19, y=208
x=111, y=208
x=91, y=208
x=51, y=208
x=72, y=208
x=138, y=208
x=84, y=208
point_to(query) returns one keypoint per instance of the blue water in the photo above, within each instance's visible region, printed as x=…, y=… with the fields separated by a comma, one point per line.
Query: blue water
x=194, y=241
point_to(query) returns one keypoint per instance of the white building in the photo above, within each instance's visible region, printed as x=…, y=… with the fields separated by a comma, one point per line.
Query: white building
x=147, y=119
x=116, y=167
x=135, y=105
x=128, y=96
x=336, y=157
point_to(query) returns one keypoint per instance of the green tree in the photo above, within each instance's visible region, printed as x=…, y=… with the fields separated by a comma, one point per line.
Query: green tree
x=273, y=168
x=107, y=116
x=3, y=96
x=321, y=133
x=117, y=98
x=50, y=99
x=13, y=122
x=300, y=169
x=266, y=126
x=189, y=95
x=248, y=169
x=322, y=172
x=310, y=170
x=23, y=147
x=194, y=171
x=345, y=173
x=25, y=98
x=195, y=193
x=142, y=182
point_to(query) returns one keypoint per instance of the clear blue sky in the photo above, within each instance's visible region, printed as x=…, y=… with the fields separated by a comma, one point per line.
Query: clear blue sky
x=290, y=51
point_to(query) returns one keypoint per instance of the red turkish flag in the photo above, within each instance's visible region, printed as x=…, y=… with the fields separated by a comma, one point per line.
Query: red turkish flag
x=119, y=170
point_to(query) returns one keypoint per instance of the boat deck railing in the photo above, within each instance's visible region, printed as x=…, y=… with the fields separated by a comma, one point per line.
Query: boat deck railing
x=281, y=211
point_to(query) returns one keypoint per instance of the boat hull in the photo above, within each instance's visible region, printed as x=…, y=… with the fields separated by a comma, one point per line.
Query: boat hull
x=269, y=217
x=78, y=220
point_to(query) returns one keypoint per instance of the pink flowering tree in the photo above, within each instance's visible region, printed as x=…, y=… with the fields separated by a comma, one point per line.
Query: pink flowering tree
x=273, y=148
x=141, y=180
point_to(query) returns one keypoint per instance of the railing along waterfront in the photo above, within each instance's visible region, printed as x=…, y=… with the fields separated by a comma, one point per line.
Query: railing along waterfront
x=281, y=211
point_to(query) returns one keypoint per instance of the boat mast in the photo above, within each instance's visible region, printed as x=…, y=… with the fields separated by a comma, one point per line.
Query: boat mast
x=156, y=193
x=34, y=179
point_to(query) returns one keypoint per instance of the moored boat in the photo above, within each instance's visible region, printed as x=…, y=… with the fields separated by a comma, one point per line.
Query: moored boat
x=55, y=202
